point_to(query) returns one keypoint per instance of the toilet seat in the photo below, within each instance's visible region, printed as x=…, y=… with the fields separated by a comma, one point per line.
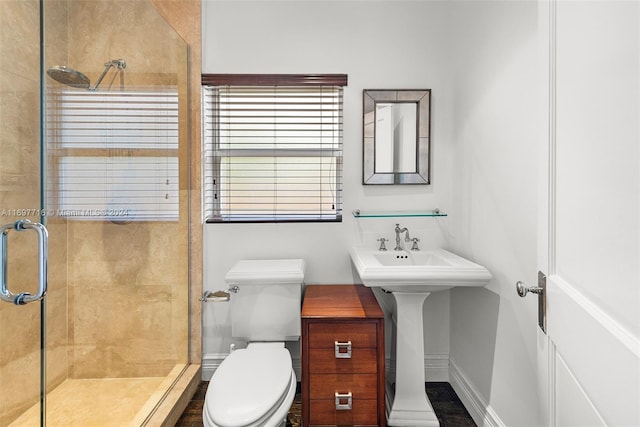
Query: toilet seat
x=251, y=387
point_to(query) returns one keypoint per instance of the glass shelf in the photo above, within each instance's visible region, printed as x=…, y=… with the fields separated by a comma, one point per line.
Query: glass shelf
x=397, y=214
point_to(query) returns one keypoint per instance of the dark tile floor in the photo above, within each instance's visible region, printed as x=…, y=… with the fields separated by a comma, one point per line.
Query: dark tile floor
x=446, y=404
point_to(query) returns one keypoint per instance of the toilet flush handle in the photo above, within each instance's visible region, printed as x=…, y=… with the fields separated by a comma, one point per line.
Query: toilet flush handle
x=219, y=296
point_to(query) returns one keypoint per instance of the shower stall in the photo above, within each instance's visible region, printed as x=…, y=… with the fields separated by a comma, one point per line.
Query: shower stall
x=104, y=167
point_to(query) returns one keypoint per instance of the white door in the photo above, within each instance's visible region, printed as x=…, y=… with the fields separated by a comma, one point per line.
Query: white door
x=589, y=228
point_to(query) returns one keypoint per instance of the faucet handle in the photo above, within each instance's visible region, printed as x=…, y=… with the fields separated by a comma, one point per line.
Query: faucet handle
x=382, y=246
x=415, y=241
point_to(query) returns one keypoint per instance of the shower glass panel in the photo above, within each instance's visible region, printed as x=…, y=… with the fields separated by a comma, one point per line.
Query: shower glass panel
x=116, y=173
x=105, y=166
x=20, y=326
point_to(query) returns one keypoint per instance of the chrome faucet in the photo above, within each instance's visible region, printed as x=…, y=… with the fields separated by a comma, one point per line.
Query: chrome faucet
x=399, y=231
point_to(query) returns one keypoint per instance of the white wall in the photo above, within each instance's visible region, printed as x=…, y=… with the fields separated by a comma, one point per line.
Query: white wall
x=479, y=59
x=493, y=331
x=390, y=45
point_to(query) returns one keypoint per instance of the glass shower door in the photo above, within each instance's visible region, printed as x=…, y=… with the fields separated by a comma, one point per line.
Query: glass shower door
x=117, y=318
x=21, y=339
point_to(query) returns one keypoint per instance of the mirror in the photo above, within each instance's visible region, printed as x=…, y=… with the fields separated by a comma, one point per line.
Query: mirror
x=396, y=126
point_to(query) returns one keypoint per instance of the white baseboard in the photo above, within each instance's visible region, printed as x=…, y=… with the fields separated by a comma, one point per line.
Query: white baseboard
x=479, y=409
x=436, y=367
x=210, y=363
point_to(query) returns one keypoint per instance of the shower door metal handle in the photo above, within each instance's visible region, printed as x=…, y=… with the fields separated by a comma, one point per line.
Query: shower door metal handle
x=24, y=297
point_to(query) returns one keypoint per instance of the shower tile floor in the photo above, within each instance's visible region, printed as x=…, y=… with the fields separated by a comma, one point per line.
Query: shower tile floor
x=105, y=402
x=101, y=402
x=446, y=404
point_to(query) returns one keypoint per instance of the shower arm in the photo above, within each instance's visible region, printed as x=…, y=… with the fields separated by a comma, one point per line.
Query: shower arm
x=119, y=64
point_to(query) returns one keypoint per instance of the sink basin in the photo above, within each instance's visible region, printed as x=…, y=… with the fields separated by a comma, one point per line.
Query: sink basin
x=411, y=276
x=416, y=271
x=411, y=258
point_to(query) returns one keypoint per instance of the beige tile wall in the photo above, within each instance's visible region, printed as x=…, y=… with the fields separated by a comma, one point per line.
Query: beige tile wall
x=128, y=284
x=127, y=299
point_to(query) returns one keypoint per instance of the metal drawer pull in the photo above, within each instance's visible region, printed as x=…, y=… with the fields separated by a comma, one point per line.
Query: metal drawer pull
x=343, y=401
x=343, y=350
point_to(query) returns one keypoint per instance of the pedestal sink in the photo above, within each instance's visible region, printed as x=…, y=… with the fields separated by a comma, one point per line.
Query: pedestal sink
x=411, y=276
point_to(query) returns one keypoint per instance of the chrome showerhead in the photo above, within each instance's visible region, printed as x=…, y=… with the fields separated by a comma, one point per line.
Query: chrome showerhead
x=69, y=77
x=73, y=78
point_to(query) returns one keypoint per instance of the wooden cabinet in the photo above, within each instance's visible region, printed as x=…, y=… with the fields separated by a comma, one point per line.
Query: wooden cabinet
x=342, y=357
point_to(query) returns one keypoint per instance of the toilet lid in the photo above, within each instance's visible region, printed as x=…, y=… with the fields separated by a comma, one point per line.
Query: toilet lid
x=266, y=271
x=248, y=384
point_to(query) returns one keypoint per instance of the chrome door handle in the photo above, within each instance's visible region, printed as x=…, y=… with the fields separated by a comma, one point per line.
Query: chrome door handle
x=522, y=289
x=541, y=291
x=24, y=297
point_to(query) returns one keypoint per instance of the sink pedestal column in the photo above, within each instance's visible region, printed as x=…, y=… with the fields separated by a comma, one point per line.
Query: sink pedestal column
x=410, y=405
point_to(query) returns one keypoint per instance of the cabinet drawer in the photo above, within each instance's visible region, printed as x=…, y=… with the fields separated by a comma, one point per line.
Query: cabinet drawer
x=361, y=386
x=325, y=334
x=362, y=413
x=362, y=360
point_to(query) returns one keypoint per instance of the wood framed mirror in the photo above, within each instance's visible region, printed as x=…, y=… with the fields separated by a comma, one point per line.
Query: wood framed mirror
x=396, y=136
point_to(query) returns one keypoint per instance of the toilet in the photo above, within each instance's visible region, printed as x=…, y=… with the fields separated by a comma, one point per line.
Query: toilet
x=255, y=386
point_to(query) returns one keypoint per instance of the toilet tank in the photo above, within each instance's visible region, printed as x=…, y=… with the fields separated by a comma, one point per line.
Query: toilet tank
x=268, y=302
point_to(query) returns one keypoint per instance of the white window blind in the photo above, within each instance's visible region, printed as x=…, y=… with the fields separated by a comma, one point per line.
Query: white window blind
x=272, y=153
x=113, y=155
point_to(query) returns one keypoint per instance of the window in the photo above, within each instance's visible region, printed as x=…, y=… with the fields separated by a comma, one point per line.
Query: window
x=272, y=147
x=113, y=155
